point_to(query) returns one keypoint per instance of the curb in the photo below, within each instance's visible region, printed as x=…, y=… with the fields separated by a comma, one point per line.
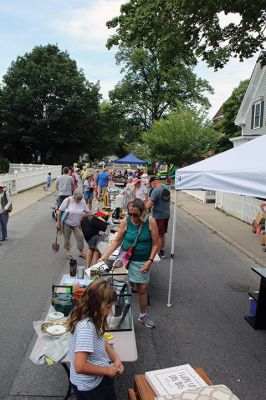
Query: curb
x=224, y=237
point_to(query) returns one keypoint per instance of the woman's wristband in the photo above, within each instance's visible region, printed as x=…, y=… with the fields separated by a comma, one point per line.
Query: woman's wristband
x=150, y=259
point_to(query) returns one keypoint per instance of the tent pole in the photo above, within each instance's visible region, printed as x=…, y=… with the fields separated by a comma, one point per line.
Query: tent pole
x=172, y=252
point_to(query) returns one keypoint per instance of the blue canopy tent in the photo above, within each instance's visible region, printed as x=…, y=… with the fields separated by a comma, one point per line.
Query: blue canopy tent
x=129, y=159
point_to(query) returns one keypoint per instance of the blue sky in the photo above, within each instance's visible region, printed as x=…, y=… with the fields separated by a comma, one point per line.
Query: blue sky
x=78, y=26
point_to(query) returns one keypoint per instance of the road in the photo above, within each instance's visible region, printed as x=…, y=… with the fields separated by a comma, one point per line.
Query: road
x=205, y=325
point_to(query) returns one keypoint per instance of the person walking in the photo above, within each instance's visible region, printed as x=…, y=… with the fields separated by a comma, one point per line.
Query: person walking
x=64, y=185
x=102, y=183
x=139, y=190
x=48, y=181
x=74, y=177
x=88, y=186
x=159, y=201
x=140, y=228
x=96, y=183
x=93, y=361
x=5, y=209
x=75, y=208
x=128, y=193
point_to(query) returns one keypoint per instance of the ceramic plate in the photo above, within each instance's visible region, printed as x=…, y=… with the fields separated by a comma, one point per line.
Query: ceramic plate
x=55, y=328
x=56, y=315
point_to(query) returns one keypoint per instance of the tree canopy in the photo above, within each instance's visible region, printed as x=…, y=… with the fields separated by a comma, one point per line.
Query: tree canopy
x=116, y=129
x=150, y=89
x=226, y=126
x=48, y=109
x=192, y=29
x=181, y=138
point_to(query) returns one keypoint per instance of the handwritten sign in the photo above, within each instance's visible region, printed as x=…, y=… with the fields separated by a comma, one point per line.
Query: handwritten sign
x=175, y=380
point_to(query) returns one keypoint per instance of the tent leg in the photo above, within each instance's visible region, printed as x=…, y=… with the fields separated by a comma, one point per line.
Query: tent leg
x=172, y=253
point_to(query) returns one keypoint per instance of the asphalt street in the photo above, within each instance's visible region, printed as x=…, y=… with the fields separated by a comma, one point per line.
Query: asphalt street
x=204, y=327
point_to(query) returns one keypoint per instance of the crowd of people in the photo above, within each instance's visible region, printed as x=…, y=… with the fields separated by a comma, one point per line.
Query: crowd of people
x=141, y=234
x=85, y=187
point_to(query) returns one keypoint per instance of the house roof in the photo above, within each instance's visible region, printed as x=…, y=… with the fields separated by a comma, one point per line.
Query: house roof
x=218, y=115
x=251, y=93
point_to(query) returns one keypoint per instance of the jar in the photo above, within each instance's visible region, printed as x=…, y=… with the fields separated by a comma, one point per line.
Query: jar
x=80, y=272
x=72, y=267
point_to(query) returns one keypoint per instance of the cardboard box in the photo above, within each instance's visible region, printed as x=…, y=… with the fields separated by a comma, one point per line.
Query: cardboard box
x=260, y=218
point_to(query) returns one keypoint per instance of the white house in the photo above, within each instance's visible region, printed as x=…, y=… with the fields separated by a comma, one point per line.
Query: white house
x=251, y=116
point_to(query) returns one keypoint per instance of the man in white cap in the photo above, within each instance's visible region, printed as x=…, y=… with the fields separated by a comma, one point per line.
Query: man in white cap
x=5, y=208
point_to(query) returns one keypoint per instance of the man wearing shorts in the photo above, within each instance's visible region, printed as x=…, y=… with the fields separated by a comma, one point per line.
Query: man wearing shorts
x=159, y=201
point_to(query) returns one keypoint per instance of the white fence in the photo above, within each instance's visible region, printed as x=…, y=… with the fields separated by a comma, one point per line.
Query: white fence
x=242, y=207
x=26, y=176
x=206, y=196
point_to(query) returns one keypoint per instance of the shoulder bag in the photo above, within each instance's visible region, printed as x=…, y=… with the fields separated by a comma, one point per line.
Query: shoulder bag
x=123, y=259
x=66, y=212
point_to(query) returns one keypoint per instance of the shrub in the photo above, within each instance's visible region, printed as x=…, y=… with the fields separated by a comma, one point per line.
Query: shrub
x=4, y=165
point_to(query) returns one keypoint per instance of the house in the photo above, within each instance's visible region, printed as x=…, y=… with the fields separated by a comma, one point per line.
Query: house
x=218, y=116
x=251, y=116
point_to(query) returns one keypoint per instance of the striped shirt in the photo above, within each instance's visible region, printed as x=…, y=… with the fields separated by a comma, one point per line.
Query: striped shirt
x=85, y=339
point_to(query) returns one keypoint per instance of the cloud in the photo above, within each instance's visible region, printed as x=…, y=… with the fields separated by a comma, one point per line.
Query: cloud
x=88, y=23
x=225, y=80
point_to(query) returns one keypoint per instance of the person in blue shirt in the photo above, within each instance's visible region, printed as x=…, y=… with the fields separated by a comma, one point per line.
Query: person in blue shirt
x=102, y=183
x=48, y=181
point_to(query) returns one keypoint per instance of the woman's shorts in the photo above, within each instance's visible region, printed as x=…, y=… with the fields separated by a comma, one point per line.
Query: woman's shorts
x=94, y=241
x=88, y=196
x=134, y=274
x=162, y=225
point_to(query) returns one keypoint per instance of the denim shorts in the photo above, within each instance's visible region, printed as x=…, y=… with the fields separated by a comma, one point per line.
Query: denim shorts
x=104, y=391
x=134, y=274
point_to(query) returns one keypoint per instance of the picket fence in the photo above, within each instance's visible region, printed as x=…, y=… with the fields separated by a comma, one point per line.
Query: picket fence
x=25, y=176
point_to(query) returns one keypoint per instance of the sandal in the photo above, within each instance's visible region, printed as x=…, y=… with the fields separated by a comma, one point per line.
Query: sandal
x=82, y=255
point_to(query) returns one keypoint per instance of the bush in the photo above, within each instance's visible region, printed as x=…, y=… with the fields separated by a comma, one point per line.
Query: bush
x=4, y=165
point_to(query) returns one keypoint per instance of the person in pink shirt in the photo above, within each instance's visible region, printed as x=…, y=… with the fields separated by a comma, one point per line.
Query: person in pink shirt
x=139, y=190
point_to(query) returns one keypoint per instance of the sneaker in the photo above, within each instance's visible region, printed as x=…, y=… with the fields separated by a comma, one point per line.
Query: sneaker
x=145, y=320
x=161, y=254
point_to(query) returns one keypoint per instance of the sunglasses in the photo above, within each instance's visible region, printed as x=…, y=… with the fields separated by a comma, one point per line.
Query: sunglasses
x=133, y=214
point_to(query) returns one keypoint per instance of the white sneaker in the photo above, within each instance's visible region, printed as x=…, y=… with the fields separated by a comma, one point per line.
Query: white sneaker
x=145, y=320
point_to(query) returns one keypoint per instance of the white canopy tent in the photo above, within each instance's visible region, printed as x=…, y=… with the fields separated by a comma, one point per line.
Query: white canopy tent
x=241, y=170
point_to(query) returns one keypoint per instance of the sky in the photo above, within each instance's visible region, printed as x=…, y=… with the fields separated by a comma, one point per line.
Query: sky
x=78, y=26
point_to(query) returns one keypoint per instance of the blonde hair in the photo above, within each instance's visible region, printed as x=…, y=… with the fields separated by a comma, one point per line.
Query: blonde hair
x=97, y=294
x=141, y=206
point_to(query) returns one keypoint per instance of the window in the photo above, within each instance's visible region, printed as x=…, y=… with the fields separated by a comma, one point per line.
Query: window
x=257, y=115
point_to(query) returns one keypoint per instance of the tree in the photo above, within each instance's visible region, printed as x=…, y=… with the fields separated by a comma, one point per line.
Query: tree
x=116, y=129
x=48, y=109
x=226, y=126
x=182, y=138
x=151, y=89
x=192, y=29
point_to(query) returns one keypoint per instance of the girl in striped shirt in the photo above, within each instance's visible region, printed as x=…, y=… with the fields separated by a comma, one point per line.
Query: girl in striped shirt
x=91, y=373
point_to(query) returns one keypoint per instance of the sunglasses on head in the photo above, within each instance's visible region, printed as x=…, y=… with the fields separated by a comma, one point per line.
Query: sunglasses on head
x=132, y=214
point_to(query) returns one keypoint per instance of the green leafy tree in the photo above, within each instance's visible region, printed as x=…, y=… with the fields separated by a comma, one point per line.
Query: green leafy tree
x=151, y=89
x=48, y=108
x=191, y=29
x=116, y=129
x=226, y=126
x=181, y=138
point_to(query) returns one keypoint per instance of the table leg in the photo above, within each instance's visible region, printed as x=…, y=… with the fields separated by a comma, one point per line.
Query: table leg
x=65, y=366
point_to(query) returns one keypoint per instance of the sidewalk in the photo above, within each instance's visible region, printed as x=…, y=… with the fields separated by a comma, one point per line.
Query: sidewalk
x=29, y=197
x=232, y=230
